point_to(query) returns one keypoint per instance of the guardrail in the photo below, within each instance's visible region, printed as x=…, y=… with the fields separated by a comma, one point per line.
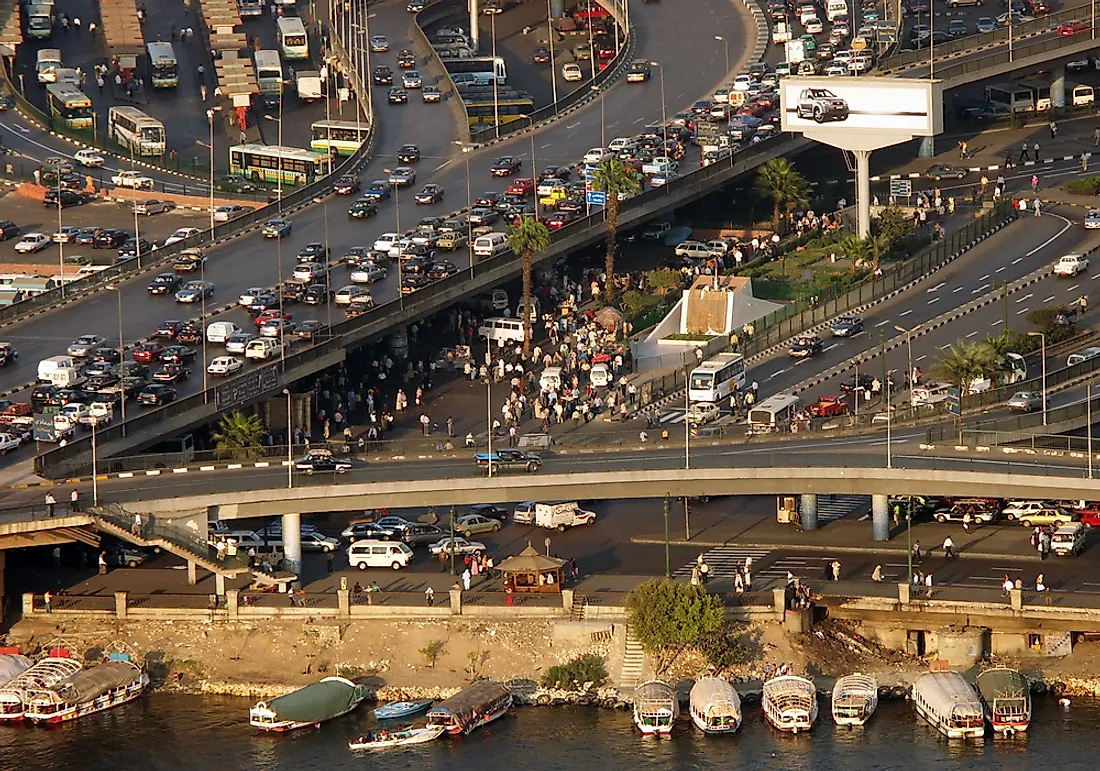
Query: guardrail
x=1063, y=46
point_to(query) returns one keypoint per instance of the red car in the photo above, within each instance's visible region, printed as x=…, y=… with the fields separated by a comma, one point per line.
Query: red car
x=559, y=221
x=270, y=315
x=1073, y=27
x=828, y=407
x=605, y=51
x=1090, y=515
x=148, y=352
x=521, y=186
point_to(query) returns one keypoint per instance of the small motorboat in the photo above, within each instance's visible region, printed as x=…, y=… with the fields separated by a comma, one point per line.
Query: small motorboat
x=399, y=709
x=384, y=740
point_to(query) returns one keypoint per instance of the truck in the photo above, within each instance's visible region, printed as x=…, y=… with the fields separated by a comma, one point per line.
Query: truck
x=48, y=366
x=782, y=33
x=65, y=377
x=99, y=414
x=559, y=516
x=308, y=85
x=1070, y=265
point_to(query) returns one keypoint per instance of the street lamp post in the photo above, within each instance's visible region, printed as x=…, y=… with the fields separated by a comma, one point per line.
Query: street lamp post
x=60, y=237
x=289, y=442
x=1043, y=355
x=489, y=418
x=726, y=44
x=664, y=120
x=95, y=471
x=466, y=149
x=909, y=347
x=210, y=118
x=668, y=567
x=603, y=123
x=889, y=448
x=1088, y=421
x=496, y=81
x=553, y=64
x=117, y=288
x=687, y=423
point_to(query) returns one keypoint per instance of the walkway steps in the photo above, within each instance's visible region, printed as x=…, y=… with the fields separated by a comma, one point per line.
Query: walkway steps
x=633, y=667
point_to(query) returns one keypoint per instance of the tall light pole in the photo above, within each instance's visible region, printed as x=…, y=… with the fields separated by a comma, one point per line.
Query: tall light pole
x=909, y=347
x=60, y=237
x=496, y=80
x=1043, y=355
x=466, y=149
x=210, y=118
x=1088, y=420
x=664, y=119
x=489, y=415
x=889, y=417
x=289, y=442
x=95, y=472
x=117, y=288
x=551, y=33
x=137, y=227
x=725, y=44
x=603, y=122
x=687, y=423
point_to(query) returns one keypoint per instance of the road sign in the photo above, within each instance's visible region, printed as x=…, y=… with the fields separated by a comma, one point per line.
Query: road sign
x=954, y=403
x=595, y=197
x=901, y=187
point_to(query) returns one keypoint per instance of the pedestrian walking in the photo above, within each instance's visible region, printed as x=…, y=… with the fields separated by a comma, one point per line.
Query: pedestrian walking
x=1035, y=183
x=330, y=559
x=1085, y=162
x=450, y=426
x=1035, y=147
x=103, y=563
x=1025, y=155
x=74, y=502
x=47, y=598
x=91, y=29
x=948, y=548
x=50, y=503
x=916, y=552
x=876, y=574
x=136, y=529
x=1037, y=205
x=1053, y=130
x=1096, y=138
x=57, y=556
x=466, y=576
x=1083, y=303
x=425, y=423
x=835, y=567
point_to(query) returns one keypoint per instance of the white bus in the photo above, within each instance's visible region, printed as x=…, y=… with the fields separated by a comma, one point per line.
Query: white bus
x=342, y=136
x=136, y=131
x=162, y=61
x=292, y=38
x=773, y=415
x=269, y=72
x=715, y=379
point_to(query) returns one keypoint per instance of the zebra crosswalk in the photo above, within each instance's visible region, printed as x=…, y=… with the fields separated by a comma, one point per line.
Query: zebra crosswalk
x=670, y=416
x=834, y=507
x=723, y=560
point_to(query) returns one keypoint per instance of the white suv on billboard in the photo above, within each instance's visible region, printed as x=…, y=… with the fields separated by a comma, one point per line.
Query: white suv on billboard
x=821, y=105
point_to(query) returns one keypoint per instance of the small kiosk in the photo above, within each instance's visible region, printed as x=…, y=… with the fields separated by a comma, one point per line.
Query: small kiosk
x=530, y=571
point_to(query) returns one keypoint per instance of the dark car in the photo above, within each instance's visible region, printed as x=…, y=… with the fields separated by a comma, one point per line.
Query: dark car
x=171, y=374
x=940, y=171
x=363, y=208
x=442, y=270
x=862, y=383
x=315, y=251
x=429, y=194
x=65, y=197
x=502, y=459
x=364, y=531
x=555, y=172
x=317, y=294
x=382, y=76
x=164, y=283
x=397, y=96
x=506, y=166
x=540, y=55
x=133, y=247
x=189, y=260
x=321, y=460
x=346, y=185
x=489, y=510
x=190, y=334
x=168, y=329
x=408, y=154
x=847, y=326
x=177, y=354
x=156, y=395
x=379, y=190
x=110, y=238
x=418, y=534
x=308, y=329
x=146, y=352
x=8, y=229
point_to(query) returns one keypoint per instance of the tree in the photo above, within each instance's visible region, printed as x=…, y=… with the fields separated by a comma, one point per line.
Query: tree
x=614, y=179
x=432, y=651
x=528, y=238
x=667, y=616
x=877, y=246
x=239, y=435
x=854, y=247
x=963, y=363
x=586, y=671
x=779, y=181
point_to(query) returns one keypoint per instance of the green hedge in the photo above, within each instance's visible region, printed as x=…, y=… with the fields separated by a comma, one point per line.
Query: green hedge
x=1083, y=186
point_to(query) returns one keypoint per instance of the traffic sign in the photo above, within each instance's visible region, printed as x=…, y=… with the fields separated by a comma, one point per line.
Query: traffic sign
x=901, y=187
x=954, y=402
x=595, y=197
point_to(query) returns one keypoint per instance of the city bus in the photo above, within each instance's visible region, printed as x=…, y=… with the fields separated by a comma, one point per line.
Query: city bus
x=343, y=137
x=483, y=68
x=69, y=105
x=266, y=162
x=292, y=38
x=269, y=74
x=162, y=61
x=773, y=415
x=1015, y=97
x=135, y=131
x=1040, y=93
x=483, y=108
x=716, y=378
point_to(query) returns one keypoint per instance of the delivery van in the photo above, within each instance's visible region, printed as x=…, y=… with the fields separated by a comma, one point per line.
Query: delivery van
x=47, y=367
x=490, y=245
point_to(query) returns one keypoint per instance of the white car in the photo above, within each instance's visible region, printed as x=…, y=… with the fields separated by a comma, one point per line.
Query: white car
x=33, y=242
x=703, y=412
x=462, y=547
x=9, y=442
x=813, y=25
x=594, y=156
x=808, y=11
x=1092, y=219
x=90, y=158
x=1068, y=265
x=238, y=341
x=386, y=241
x=842, y=57
x=308, y=272
x=618, y=144
x=367, y=274
x=84, y=345
x=181, y=235
x=229, y=211
x=572, y=73
x=225, y=365
x=742, y=82
x=75, y=412
x=318, y=542
x=346, y=295
x=662, y=164
x=133, y=179
x=249, y=295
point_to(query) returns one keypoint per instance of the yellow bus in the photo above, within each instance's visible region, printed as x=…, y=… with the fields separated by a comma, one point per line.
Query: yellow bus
x=69, y=105
x=266, y=162
x=343, y=137
x=487, y=112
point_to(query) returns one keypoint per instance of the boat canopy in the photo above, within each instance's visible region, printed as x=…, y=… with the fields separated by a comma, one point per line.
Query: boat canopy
x=11, y=666
x=715, y=699
x=478, y=697
x=45, y=673
x=654, y=696
x=95, y=681
x=316, y=702
x=949, y=696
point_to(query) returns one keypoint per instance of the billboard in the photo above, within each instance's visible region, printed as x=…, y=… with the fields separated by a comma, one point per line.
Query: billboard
x=861, y=113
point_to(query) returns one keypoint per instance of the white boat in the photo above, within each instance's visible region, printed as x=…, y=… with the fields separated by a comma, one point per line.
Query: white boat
x=655, y=708
x=11, y=666
x=855, y=698
x=384, y=740
x=478, y=704
x=1006, y=695
x=47, y=672
x=715, y=706
x=324, y=700
x=949, y=704
x=88, y=691
x=790, y=703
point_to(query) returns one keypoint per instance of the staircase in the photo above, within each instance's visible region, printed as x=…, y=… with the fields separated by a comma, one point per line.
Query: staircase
x=115, y=520
x=633, y=667
x=576, y=611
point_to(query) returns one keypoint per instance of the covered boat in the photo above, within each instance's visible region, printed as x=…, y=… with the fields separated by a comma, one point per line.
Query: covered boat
x=655, y=707
x=855, y=698
x=1006, y=696
x=790, y=703
x=399, y=709
x=475, y=705
x=384, y=740
x=715, y=706
x=949, y=704
x=46, y=673
x=330, y=698
x=11, y=666
x=88, y=691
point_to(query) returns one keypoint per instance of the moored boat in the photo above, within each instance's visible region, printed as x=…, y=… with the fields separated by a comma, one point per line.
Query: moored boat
x=324, y=700
x=855, y=698
x=656, y=708
x=949, y=704
x=475, y=705
x=12, y=665
x=399, y=709
x=95, y=689
x=715, y=706
x=1006, y=696
x=790, y=703
x=384, y=740
x=43, y=674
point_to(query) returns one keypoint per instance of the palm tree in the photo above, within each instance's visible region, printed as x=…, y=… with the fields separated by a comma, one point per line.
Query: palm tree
x=527, y=239
x=239, y=435
x=854, y=247
x=876, y=245
x=781, y=182
x=963, y=363
x=614, y=179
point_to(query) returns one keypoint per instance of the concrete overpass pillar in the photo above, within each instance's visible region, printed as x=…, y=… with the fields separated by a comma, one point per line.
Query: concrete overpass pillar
x=292, y=543
x=1058, y=88
x=863, y=193
x=808, y=511
x=475, y=36
x=265, y=413
x=557, y=8
x=192, y=573
x=880, y=517
x=927, y=147
x=219, y=584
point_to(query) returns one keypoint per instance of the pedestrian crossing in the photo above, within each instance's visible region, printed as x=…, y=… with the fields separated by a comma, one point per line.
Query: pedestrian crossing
x=723, y=560
x=833, y=507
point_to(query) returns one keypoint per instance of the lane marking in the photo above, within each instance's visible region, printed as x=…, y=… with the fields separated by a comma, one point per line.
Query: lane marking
x=998, y=321
x=999, y=269
x=922, y=358
x=1027, y=296
x=956, y=289
x=1075, y=286
x=440, y=166
x=831, y=347
x=983, y=278
x=973, y=333
x=1049, y=241
x=883, y=323
x=776, y=374
x=1021, y=312
x=1096, y=277
x=937, y=287
x=906, y=313
x=1049, y=299
x=934, y=300
x=982, y=288
x=1018, y=260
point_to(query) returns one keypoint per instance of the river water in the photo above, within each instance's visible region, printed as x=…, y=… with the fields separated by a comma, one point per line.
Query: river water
x=167, y=732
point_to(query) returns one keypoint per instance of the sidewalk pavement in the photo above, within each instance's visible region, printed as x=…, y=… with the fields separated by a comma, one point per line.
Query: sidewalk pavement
x=987, y=542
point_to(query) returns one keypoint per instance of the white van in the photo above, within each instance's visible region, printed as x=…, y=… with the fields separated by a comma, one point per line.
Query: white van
x=65, y=377
x=1068, y=540
x=49, y=60
x=835, y=9
x=551, y=379
x=245, y=539
x=501, y=330
x=536, y=310
x=490, y=245
x=47, y=367
x=600, y=375
x=379, y=554
x=220, y=331
x=262, y=348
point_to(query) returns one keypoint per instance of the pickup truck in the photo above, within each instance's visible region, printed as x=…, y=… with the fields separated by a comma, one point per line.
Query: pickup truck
x=662, y=164
x=828, y=407
x=133, y=179
x=1070, y=265
x=504, y=459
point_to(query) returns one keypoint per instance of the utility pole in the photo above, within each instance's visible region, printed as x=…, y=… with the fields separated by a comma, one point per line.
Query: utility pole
x=452, y=540
x=687, y=519
x=668, y=570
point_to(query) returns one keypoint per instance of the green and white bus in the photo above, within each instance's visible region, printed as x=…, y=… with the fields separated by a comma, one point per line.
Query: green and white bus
x=69, y=105
x=265, y=163
x=340, y=136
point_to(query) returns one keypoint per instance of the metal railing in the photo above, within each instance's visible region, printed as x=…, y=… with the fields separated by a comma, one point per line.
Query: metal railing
x=993, y=62
x=153, y=530
x=1060, y=442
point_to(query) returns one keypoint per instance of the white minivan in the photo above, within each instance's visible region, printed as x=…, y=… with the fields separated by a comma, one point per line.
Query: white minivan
x=220, y=331
x=550, y=379
x=502, y=330
x=490, y=245
x=262, y=348
x=379, y=554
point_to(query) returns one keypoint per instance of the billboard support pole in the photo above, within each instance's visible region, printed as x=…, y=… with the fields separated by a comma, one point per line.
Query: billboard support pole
x=927, y=147
x=863, y=192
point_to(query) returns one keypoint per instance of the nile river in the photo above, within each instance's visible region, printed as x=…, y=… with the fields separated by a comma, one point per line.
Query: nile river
x=189, y=733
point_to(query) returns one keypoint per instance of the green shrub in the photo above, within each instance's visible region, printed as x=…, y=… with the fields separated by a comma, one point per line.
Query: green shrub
x=667, y=616
x=1084, y=186
x=576, y=674
x=664, y=280
x=721, y=648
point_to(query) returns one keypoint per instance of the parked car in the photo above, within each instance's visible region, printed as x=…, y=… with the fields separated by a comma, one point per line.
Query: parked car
x=461, y=547
x=474, y=524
